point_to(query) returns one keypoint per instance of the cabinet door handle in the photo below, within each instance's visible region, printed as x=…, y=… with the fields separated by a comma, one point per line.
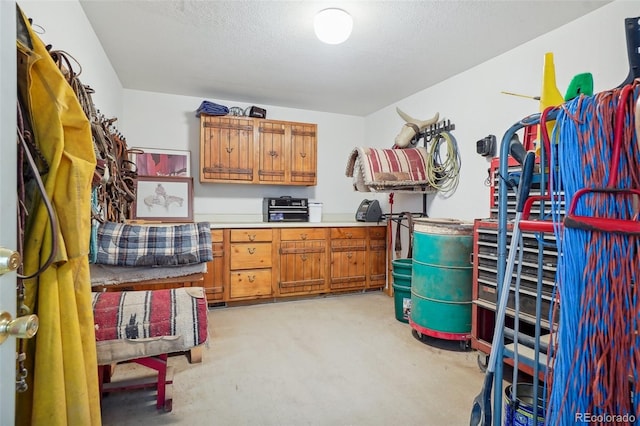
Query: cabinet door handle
x=229, y=149
x=303, y=154
x=303, y=236
x=273, y=153
x=349, y=255
x=251, y=278
x=252, y=237
x=303, y=257
x=251, y=250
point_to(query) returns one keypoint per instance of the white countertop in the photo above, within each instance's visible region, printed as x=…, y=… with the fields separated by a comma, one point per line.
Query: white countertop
x=218, y=221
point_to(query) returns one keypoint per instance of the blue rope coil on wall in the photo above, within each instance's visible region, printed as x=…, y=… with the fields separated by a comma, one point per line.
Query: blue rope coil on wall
x=595, y=353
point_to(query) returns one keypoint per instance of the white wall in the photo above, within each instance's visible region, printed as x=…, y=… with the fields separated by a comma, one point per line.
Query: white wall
x=157, y=120
x=64, y=25
x=472, y=100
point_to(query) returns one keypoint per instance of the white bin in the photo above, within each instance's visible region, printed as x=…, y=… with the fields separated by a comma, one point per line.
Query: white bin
x=315, y=212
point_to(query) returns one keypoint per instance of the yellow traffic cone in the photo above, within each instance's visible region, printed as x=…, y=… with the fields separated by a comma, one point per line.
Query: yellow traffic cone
x=550, y=95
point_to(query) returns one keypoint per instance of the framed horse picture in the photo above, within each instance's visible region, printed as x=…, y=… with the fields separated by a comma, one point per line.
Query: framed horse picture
x=163, y=199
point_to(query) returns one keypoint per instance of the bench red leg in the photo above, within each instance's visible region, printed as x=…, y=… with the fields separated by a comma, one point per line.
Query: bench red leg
x=164, y=378
x=158, y=363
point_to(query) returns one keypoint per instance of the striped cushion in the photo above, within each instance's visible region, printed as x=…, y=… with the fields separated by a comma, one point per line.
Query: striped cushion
x=134, y=324
x=375, y=169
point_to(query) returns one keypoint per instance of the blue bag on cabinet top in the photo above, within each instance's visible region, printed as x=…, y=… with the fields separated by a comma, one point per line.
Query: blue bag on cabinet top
x=211, y=108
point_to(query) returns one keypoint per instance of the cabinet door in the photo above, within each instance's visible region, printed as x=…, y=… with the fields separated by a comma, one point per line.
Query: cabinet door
x=348, y=258
x=302, y=151
x=214, y=281
x=226, y=149
x=303, y=261
x=271, y=143
x=377, y=257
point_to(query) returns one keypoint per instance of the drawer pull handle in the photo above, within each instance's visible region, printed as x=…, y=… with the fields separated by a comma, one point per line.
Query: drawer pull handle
x=252, y=237
x=251, y=250
x=252, y=278
x=303, y=257
x=303, y=236
x=349, y=235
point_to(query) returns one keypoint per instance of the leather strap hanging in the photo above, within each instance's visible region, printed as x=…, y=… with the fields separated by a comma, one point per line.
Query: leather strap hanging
x=398, y=243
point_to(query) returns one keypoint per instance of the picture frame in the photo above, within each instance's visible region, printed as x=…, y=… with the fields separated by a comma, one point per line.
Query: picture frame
x=161, y=162
x=163, y=199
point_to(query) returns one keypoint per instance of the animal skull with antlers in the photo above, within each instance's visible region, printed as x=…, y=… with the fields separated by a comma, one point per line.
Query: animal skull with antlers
x=411, y=128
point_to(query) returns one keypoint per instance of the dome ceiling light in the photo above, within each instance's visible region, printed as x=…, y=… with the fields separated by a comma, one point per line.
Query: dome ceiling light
x=333, y=26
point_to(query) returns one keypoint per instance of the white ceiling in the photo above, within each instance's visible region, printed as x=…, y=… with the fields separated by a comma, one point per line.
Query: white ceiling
x=265, y=52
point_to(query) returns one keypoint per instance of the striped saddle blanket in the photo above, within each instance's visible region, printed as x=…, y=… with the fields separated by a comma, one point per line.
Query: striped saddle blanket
x=136, y=324
x=379, y=169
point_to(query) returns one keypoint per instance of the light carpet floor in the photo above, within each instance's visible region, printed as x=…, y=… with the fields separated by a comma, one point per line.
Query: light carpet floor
x=340, y=360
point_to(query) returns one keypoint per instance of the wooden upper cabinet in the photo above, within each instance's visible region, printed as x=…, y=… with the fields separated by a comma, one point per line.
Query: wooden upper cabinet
x=303, y=149
x=272, y=150
x=258, y=151
x=226, y=149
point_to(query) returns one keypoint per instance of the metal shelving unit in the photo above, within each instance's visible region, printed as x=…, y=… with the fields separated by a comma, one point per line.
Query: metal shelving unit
x=527, y=321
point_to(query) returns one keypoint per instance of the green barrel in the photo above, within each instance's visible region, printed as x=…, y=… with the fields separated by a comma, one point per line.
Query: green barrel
x=442, y=277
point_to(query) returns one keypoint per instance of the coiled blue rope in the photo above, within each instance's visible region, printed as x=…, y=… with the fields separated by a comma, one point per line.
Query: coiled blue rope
x=598, y=316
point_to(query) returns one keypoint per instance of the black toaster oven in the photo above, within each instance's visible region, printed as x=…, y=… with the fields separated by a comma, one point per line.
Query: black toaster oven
x=285, y=209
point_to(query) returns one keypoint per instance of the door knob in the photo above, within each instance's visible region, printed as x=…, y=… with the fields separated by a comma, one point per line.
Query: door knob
x=22, y=327
x=9, y=260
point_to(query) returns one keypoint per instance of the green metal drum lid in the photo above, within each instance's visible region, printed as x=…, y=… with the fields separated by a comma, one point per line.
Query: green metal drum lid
x=444, y=226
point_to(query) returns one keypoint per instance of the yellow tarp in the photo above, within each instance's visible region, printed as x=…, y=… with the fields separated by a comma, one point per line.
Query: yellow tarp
x=63, y=381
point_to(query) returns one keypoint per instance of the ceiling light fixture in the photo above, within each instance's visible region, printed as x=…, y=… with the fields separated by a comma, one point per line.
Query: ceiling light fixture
x=333, y=26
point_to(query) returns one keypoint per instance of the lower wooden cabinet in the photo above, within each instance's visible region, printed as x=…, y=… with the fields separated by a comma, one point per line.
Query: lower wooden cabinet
x=348, y=258
x=250, y=263
x=263, y=263
x=302, y=261
x=214, y=280
x=377, y=262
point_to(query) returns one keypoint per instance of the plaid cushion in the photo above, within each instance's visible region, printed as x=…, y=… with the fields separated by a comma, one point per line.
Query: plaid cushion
x=146, y=245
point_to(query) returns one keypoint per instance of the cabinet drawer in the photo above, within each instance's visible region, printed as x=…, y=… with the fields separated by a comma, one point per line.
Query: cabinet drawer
x=250, y=235
x=377, y=233
x=250, y=255
x=250, y=283
x=296, y=234
x=348, y=233
x=216, y=236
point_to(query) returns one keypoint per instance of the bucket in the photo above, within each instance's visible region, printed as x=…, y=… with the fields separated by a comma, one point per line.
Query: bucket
x=315, y=212
x=402, y=288
x=402, y=299
x=520, y=411
x=402, y=266
x=442, y=278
